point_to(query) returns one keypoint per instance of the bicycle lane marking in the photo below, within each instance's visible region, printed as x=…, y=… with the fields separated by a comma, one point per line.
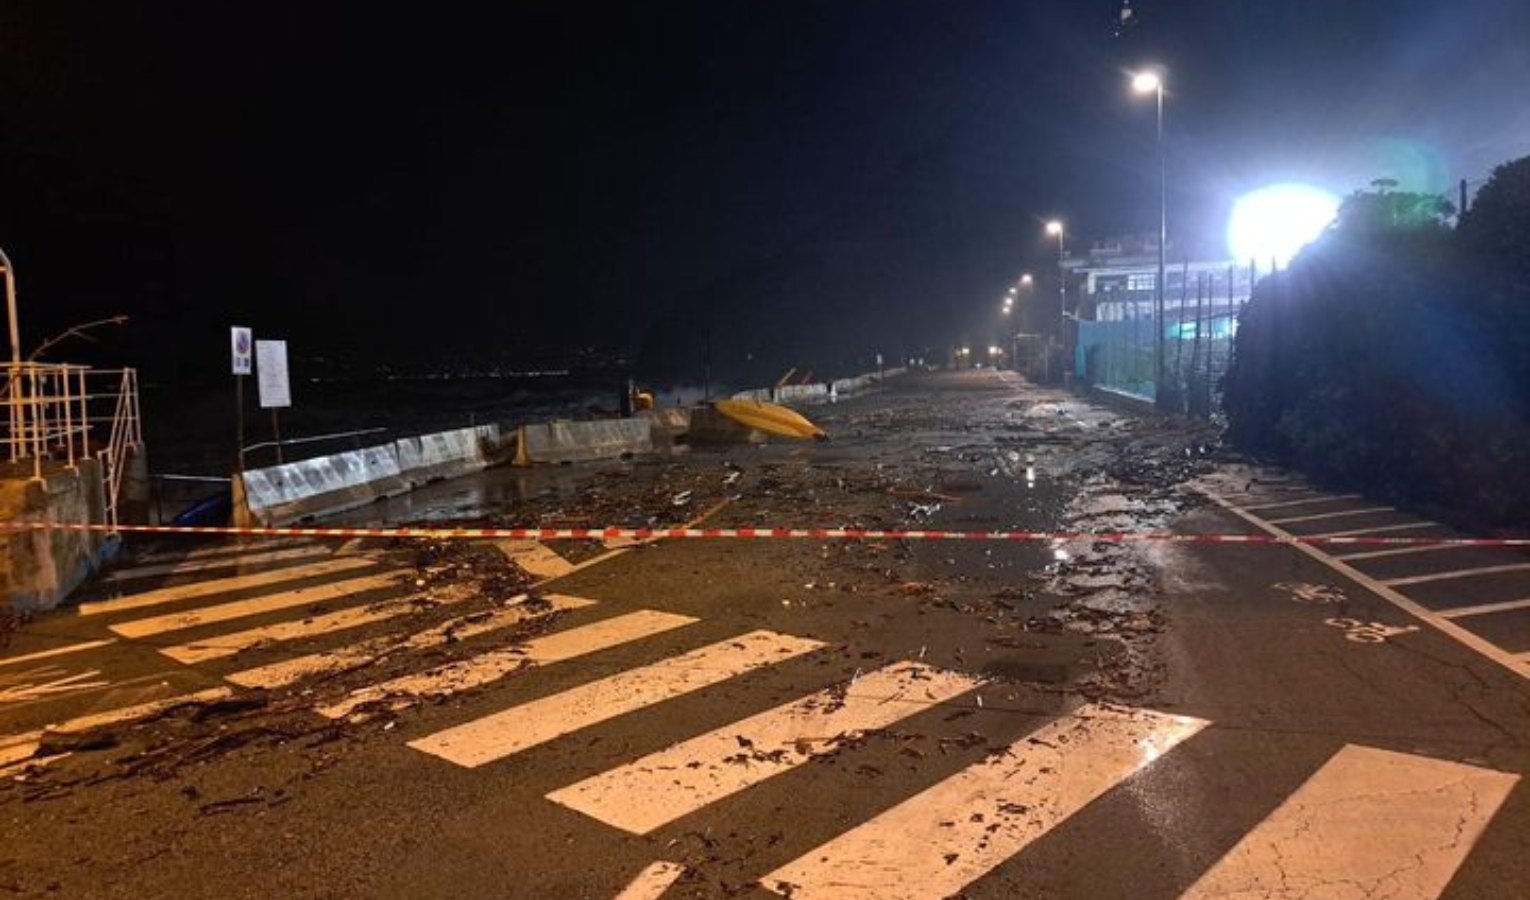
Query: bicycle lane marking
x=1517, y=663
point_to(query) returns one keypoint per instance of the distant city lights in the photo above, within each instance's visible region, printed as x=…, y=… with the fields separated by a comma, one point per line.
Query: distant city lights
x=1275, y=222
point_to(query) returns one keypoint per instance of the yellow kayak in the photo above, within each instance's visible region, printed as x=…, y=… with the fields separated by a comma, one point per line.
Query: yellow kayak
x=770, y=418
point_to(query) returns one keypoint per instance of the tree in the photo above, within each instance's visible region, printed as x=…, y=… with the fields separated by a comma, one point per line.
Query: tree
x=1393, y=355
x=1495, y=231
x=1393, y=214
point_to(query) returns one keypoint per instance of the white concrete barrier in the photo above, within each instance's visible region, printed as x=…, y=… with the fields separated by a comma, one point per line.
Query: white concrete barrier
x=279, y=495
x=576, y=441
x=800, y=393
x=446, y=454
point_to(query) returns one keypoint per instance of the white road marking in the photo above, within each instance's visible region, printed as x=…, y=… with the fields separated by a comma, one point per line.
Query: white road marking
x=652, y=882
x=353, y=656
x=485, y=668
x=223, y=585
x=1438, y=622
x=1458, y=573
x=229, y=644
x=664, y=786
x=1398, y=551
x=16, y=748
x=1384, y=529
x=536, y=558
x=513, y=730
x=1369, y=823
x=937, y=842
x=227, y=562
x=1333, y=515
x=57, y=651
x=238, y=609
x=46, y=682
x=1484, y=609
x=243, y=544
x=1303, y=501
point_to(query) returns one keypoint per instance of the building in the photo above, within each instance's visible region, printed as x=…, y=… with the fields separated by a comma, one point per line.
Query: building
x=1113, y=293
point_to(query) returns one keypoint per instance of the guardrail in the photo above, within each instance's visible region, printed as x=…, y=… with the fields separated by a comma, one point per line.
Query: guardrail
x=57, y=412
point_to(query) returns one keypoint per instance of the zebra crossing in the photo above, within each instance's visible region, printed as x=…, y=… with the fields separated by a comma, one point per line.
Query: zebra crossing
x=1374, y=819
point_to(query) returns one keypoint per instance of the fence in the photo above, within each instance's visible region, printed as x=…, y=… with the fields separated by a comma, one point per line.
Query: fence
x=1118, y=351
x=60, y=413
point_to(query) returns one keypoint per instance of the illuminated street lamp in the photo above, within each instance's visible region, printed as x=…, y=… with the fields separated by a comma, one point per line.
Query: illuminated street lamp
x=1151, y=82
x=1055, y=229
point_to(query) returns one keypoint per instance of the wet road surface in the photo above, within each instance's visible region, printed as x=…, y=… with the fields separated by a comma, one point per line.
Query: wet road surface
x=810, y=719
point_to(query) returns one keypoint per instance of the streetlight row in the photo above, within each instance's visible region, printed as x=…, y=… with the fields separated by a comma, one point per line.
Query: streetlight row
x=1009, y=298
x=1145, y=82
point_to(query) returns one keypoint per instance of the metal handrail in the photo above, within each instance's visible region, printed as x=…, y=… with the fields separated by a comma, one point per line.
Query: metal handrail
x=49, y=418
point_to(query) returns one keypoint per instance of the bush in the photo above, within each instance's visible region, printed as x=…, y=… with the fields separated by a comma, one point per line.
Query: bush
x=1391, y=356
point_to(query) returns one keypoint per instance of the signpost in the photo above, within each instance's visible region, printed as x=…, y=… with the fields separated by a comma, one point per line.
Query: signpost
x=271, y=379
x=240, y=346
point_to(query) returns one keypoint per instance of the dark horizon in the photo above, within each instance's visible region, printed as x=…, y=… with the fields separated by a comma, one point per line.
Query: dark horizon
x=809, y=184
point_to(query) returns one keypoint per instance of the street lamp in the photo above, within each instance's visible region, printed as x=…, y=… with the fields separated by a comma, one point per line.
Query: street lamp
x=1151, y=82
x=10, y=307
x=1055, y=228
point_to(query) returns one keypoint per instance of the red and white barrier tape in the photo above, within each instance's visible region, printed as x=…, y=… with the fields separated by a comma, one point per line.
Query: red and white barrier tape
x=867, y=534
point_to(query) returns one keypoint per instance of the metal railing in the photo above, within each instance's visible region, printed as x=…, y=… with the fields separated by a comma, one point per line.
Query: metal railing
x=61, y=413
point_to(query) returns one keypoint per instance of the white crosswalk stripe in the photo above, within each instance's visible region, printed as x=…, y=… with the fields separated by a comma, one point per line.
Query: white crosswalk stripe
x=353, y=656
x=513, y=730
x=242, y=546
x=539, y=560
x=18, y=749
x=214, y=586
x=489, y=667
x=657, y=789
x=652, y=882
x=239, y=609
x=209, y=564
x=354, y=617
x=1370, y=823
x=939, y=841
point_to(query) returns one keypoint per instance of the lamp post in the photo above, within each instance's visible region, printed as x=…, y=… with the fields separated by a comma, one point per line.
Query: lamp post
x=1055, y=228
x=13, y=383
x=1026, y=282
x=10, y=307
x=1150, y=82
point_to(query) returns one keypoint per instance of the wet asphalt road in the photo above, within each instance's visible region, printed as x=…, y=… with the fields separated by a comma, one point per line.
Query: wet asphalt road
x=727, y=718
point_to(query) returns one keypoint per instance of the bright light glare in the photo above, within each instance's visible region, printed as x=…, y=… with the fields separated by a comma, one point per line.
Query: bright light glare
x=1054, y=227
x=1277, y=221
x=1026, y=278
x=1146, y=82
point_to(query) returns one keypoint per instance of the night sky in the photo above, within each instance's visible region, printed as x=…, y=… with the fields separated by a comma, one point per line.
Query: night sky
x=806, y=182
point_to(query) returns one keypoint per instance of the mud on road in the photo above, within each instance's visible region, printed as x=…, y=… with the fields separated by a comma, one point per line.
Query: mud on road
x=1043, y=624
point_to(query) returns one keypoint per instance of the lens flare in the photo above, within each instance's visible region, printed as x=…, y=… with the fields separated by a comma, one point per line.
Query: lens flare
x=1275, y=222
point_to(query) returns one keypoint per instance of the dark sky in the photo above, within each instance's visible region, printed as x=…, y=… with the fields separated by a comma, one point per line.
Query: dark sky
x=810, y=182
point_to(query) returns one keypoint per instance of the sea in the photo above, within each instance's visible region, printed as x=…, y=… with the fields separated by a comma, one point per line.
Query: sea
x=193, y=431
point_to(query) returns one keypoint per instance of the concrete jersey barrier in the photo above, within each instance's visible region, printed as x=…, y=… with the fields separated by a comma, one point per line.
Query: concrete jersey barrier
x=287, y=493
x=557, y=442
x=446, y=454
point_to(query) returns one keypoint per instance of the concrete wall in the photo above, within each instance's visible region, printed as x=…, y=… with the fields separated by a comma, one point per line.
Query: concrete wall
x=38, y=569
